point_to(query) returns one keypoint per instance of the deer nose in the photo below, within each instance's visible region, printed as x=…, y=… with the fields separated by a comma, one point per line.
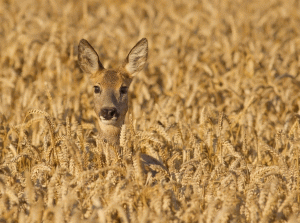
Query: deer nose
x=109, y=113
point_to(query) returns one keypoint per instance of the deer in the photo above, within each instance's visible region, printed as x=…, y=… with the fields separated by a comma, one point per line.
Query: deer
x=111, y=89
x=111, y=86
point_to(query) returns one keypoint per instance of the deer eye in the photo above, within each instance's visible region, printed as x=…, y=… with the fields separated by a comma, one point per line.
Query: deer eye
x=97, y=89
x=123, y=90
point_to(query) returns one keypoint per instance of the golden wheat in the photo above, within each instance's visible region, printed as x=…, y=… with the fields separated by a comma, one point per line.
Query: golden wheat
x=217, y=106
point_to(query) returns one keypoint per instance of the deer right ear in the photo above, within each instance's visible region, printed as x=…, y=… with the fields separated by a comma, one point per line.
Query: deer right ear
x=88, y=59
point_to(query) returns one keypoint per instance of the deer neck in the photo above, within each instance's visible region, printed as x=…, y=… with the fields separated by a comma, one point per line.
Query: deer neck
x=110, y=133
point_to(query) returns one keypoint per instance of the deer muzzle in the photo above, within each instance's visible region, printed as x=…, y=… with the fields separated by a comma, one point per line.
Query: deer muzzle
x=109, y=114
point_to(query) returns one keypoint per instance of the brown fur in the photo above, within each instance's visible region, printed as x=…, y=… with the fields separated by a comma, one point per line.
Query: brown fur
x=111, y=83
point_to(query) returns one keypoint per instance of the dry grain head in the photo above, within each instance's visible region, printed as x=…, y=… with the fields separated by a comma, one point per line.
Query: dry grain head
x=111, y=85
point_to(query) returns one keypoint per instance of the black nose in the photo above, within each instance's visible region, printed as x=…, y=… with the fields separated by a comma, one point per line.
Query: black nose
x=109, y=113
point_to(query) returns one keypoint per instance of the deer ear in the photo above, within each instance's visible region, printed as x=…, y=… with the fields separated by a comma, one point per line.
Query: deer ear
x=88, y=59
x=137, y=57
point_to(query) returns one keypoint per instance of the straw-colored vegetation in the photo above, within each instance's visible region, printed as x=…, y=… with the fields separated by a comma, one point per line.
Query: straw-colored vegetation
x=218, y=104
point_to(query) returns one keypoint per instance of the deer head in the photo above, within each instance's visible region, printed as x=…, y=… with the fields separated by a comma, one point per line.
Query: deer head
x=111, y=85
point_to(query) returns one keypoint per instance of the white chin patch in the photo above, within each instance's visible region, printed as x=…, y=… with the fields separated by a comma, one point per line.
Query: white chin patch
x=108, y=122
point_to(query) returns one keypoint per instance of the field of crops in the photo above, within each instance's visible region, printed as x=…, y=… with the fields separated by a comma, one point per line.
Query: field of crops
x=218, y=104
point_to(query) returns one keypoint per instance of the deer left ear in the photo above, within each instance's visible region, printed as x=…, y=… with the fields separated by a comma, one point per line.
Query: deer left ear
x=137, y=57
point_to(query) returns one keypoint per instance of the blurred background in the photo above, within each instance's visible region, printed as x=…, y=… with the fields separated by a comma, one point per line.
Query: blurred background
x=220, y=91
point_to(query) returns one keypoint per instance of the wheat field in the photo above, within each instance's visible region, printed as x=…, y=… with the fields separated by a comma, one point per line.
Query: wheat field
x=217, y=104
